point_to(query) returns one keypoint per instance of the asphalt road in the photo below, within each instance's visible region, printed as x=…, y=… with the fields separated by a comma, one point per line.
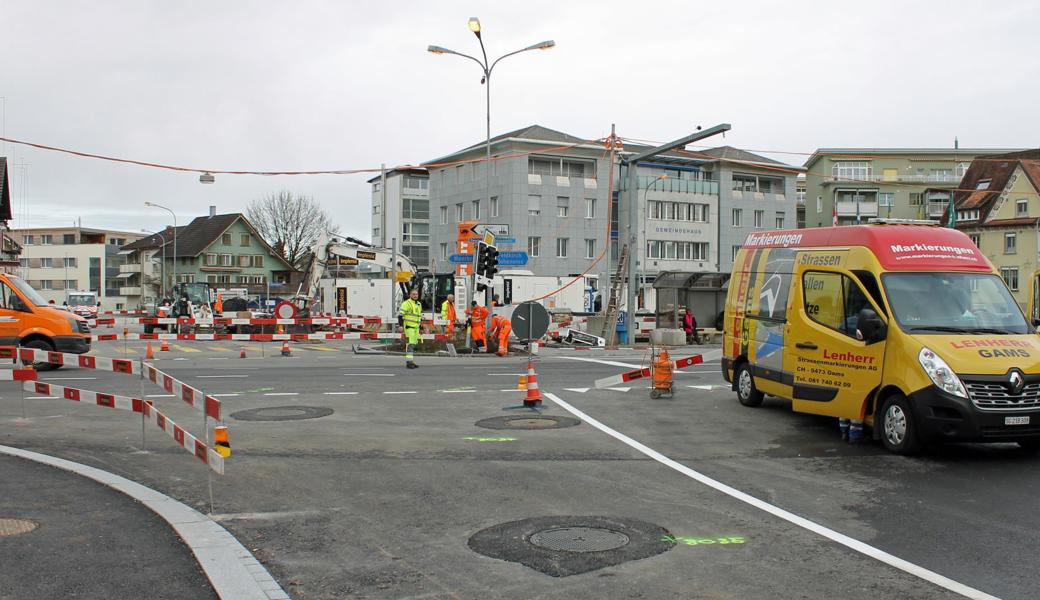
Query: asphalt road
x=380, y=498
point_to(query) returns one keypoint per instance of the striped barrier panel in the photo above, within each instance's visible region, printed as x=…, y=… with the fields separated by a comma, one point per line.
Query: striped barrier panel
x=193, y=397
x=261, y=337
x=9, y=352
x=117, y=365
x=207, y=455
x=613, y=380
x=85, y=396
x=18, y=375
x=223, y=321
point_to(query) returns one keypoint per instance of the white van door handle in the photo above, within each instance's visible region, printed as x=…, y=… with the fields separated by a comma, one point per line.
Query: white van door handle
x=806, y=345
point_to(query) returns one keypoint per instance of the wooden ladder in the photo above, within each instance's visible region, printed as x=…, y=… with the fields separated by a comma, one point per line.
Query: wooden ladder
x=614, y=303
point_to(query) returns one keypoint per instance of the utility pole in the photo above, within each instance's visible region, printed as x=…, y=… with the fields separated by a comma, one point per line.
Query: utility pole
x=631, y=164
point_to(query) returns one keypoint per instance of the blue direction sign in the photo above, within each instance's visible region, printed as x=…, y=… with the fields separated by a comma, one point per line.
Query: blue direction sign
x=461, y=259
x=512, y=259
x=504, y=240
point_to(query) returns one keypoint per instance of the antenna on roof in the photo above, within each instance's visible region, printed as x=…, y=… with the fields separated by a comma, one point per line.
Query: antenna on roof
x=956, y=143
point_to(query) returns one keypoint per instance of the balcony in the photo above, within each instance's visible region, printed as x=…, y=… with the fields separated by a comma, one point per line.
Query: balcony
x=130, y=268
x=937, y=209
x=130, y=291
x=415, y=192
x=866, y=208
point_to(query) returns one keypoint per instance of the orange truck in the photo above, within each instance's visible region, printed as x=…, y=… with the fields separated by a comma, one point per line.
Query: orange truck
x=27, y=320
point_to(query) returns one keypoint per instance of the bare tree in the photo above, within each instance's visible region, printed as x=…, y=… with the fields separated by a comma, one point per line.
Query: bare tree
x=290, y=223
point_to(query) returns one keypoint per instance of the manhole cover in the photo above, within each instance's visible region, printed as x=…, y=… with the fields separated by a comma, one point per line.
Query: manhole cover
x=9, y=527
x=282, y=413
x=562, y=546
x=525, y=422
x=579, y=539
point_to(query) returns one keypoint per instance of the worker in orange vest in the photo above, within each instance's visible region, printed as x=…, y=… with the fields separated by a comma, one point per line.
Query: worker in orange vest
x=501, y=327
x=218, y=306
x=478, y=324
x=448, y=314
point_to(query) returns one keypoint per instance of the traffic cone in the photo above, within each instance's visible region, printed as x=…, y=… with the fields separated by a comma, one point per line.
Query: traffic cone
x=285, y=349
x=242, y=352
x=521, y=384
x=149, y=354
x=164, y=346
x=534, y=395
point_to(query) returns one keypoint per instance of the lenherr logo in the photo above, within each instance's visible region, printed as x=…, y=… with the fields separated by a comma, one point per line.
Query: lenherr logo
x=1016, y=382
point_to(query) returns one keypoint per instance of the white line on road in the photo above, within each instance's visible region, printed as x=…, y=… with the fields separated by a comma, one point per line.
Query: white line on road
x=218, y=376
x=69, y=378
x=223, y=395
x=400, y=392
x=45, y=397
x=282, y=394
x=371, y=374
x=160, y=396
x=511, y=390
x=340, y=393
x=579, y=390
x=457, y=391
x=504, y=374
x=776, y=511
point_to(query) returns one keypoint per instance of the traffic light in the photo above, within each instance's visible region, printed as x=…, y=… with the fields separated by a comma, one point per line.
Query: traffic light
x=490, y=257
x=479, y=256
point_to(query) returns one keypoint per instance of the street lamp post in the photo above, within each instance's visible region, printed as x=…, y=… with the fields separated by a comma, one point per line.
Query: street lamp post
x=474, y=26
x=646, y=236
x=174, y=242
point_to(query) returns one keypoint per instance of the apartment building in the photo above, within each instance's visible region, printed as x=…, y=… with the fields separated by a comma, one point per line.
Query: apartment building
x=56, y=260
x=549, y=191
x=401, y=211
x=9, y=248
x=850, y=185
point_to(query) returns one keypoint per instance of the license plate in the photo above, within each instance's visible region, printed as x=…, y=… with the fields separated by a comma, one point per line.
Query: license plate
x=1016, y=420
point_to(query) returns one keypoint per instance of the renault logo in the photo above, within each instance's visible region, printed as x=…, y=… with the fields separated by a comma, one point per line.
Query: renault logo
x=1016, y=382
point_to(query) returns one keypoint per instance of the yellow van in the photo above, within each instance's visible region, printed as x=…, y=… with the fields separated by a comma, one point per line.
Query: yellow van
x=907, y=327
x=26, y=319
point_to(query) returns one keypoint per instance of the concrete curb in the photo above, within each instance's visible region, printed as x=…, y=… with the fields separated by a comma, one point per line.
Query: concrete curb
x=231, y=569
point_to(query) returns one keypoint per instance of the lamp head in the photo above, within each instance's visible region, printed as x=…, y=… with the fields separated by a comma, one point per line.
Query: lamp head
x=207, y=178
x=437, y=50
x=147, y=203
x=547, y=44
x=474, y=26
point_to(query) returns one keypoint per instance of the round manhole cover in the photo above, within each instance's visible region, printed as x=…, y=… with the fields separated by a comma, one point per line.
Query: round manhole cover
x=525, y=422
x=282, y=413
x=9, y=527
x=579, y=539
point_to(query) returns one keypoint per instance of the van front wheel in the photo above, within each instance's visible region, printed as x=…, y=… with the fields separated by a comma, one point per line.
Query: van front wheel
x=46, y=347
x=898, y=427
x=746, y=391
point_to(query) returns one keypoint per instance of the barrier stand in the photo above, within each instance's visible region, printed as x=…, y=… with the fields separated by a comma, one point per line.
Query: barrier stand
x=144, y=447
x=126, y=330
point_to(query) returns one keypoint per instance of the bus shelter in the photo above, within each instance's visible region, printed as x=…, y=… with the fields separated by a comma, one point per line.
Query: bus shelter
x=703, y=293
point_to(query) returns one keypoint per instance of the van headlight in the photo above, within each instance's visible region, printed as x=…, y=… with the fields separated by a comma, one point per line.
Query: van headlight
x=941, y=374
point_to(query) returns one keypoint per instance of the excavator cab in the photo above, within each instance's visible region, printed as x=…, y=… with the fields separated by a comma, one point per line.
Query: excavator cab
x=430, y=286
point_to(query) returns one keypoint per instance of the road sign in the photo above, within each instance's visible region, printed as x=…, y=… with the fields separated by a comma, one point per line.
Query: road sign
x=461, y=259
x=530, y=321
x=512, y=259
x=285, y=310
x=489, y=238
x=505, y=240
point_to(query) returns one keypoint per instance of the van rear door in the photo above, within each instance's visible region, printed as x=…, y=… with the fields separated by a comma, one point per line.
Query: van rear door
x=834, y=371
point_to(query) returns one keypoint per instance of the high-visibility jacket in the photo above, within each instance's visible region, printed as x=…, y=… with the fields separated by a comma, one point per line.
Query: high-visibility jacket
x=411, y=313
x=448, y=311
x=219, y=304
x=479, y=321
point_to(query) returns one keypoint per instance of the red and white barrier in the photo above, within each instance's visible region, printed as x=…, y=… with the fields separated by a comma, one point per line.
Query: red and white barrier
x=260, y=337
x=18, y=375
x=117, y=365
x=228, y=321
x=207, y=455
x=87, y=396
x=613, y=380
x=191, y=396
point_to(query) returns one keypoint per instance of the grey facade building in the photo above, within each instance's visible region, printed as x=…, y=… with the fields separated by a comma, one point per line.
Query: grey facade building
x=550, y=191
x=401, y=211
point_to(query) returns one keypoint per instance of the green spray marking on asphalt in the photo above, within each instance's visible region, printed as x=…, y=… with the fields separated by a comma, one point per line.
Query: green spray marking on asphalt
x=695, y=541
x=489, y=439
x=460, y=389
x=263, y=389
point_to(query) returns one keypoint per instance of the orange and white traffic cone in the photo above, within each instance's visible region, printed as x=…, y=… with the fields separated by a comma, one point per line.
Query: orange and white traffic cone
x=534, y=395
x=285, y=349
x=242, y=352
x=149, y=354
x=164, y=346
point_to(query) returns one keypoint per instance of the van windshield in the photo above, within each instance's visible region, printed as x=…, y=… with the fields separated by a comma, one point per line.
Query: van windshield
x=953, y=303
x=27, y=291
x=81, y=300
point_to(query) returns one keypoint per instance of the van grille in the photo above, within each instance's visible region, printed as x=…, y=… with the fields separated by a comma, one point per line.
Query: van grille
x=82, y=327
x=997, y=396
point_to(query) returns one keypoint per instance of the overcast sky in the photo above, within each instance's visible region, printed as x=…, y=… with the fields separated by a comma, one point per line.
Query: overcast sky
x=265, y=85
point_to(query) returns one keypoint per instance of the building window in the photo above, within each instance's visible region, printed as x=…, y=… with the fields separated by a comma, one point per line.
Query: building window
x=476, y=210
x=27, y=240
x=855, y=170
x=444, y=251
x=983, y=184
x=46, y=284
x=416, y=232
x=416, y=183
x=246, y=240
x=46, y=263
x=779, y=220
x=700, y=213
x=458, y=213
x=23, y=263
x=375, y=232
x=561, y=247
x=916, y=199
x=962, y=168
x=416, y=208
x=976, y=239
x=494, y=206
x=562, y=206
x=534, y=205
x=819, y=204
x=533, y=244
x=1010, y=243
x=737, y=214
x=735, y=250
x=886, y=199
x=745, y=183
x=444, y=215
x=590, y=248
x=553, y=166
x=590, y=208
x=225, y=239
x=46, y=239
x=68, y=238
x=71, y=284
x=1010, y=275
x=459, y=174
x=760, y=218
x=375, y=209
x=225, y=260
x=1022, y=208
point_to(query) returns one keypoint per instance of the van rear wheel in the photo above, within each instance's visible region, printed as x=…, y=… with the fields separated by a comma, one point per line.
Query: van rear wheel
x=45, y=346
x=898, y=426
x=747, y=393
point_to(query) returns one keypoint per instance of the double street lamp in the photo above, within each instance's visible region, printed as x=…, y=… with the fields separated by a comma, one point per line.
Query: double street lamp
x=174, y=239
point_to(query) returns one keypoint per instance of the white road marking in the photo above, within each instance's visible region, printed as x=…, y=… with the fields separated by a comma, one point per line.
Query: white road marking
x=504, y=374
x=45, y=397
x=161, y=396
x=223, y=395
x=612, y=363
x=68, y=378
x=371, y=374
x=282, y=394
x=218, y=376
x=511, y=390
x=400, y=392
x=217, y=358
x=620, y=389
x=776, y=511
x=264, y=515
x=579, y=390
x=701, y=387
x=340, y=393
x=457, y=391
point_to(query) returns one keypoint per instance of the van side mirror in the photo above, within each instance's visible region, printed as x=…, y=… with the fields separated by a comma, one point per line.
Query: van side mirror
x=870, y=326
x=1036, y=322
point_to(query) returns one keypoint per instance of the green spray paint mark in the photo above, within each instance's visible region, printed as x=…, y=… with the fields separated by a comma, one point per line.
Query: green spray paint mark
x=263, y=389
x=460, y=389
x=489, y=439
x=696, y=541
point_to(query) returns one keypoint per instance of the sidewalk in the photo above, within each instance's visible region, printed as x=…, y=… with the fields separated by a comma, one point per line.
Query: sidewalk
x=92, y=541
